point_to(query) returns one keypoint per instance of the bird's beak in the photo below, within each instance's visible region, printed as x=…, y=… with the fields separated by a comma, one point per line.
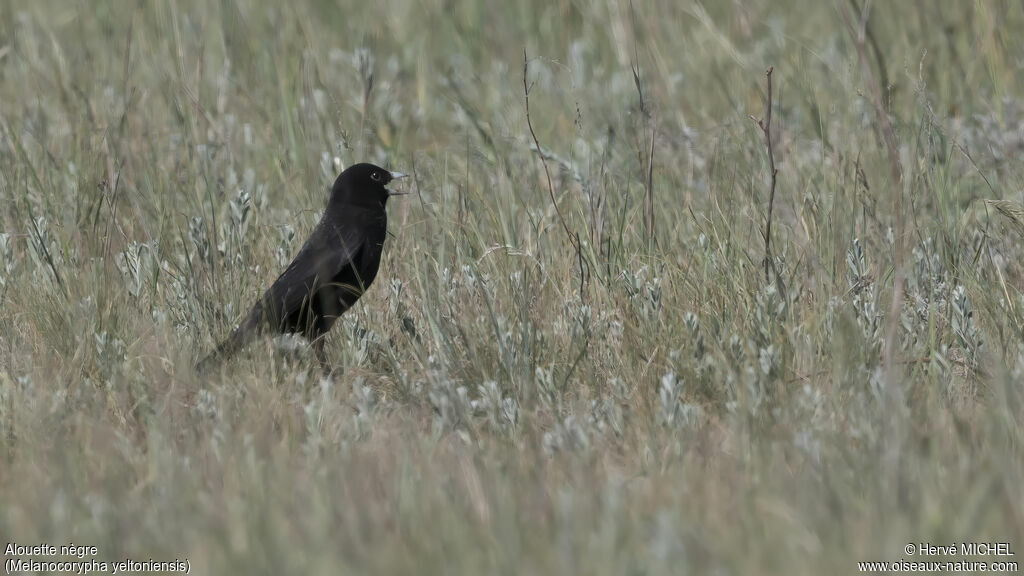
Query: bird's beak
x=397, y=176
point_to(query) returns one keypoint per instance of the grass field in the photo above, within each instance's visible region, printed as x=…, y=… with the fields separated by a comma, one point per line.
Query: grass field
x=592, y=375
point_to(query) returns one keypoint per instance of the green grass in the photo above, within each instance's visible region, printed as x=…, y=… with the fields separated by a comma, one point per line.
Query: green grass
x=161, y=162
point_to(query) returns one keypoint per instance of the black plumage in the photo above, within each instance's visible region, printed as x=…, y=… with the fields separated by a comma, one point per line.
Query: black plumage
x=330, y=273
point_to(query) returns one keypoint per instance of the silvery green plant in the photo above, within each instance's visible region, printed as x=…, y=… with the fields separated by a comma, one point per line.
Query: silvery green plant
x=567, y=435
x=515, y=280
x=368, y=342
x=395, y=304
x=183, y=308
x=607, y=413
x=314, y=411
x=768, y=361
x=286, y=238
x=6, y=259
x=501, y=412
x=365, y=400
x=769, y=311
x=448, y=286
x=199, y=238
x=7, y=409
x=468, y=277
x=967, y=333
x=206, y=405
x=861, y=287
x=673, y=412
x=704, y=362
x=644, y=292
x=856, y=267
x=206, y=409
x=135, y=264
x=41, y=249
x=452, y=407
x=735, y=349
x=241, y=211
x=544, y=381
x=110, y=352
x=668, y=399
x=692, y=324
x=583, y=316
x=808, y=408
x=328, y=167
x=755, y=393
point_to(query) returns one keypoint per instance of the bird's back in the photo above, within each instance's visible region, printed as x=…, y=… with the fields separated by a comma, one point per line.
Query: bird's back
x=328, y=275
x=339, y=292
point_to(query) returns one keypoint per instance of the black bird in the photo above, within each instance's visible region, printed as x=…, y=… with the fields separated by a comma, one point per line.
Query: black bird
x=332, y=270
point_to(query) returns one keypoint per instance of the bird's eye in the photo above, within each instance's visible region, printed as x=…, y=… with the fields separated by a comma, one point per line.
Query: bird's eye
x=376, y=177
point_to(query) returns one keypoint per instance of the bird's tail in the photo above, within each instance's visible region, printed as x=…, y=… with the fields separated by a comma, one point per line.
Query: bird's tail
x=224, y=350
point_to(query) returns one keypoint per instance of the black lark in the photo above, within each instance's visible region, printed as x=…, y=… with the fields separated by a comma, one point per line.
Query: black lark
x=333, y=269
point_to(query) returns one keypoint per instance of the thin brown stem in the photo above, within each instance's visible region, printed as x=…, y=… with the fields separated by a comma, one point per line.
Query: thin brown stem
x=574, y=238
x=766, y=128
x=889, y=138
x=650, y=192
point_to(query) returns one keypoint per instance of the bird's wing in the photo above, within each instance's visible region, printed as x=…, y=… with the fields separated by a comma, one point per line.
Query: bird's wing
x=328, y=251
x=325, y=254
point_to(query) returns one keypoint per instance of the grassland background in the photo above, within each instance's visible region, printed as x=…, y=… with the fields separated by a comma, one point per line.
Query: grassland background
x=161, y=161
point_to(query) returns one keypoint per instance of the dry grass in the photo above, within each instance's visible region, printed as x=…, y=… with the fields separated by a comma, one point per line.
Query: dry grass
x=160, y=162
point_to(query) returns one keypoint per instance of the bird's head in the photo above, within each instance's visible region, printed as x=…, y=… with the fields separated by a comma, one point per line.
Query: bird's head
x=364, y=184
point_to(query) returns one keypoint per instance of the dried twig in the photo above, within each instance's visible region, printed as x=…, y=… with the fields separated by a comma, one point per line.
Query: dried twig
x=574, y=238
x=650, y=192
x=769, y=261
x=646, y=114
x=889, y=138
x=766, y=128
